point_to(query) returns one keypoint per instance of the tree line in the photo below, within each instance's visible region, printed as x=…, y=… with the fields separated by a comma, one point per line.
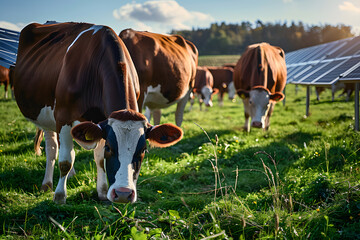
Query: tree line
x=225, y=38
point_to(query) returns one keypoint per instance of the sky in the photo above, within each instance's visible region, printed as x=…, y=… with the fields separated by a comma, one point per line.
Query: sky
x=162, y=16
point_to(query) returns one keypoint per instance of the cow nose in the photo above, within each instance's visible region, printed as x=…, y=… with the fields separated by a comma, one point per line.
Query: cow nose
x=123, y=195
x=257, y=124
x=209, y=104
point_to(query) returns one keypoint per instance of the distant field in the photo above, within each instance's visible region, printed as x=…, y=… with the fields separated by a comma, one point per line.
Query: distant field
x=217, y=60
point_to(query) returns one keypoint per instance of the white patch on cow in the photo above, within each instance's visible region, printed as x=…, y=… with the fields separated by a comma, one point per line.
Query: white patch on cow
x=66, y=154
x=207, y=92
x=154, y=98
x=95, y=28
x=259, y=106
x=231, y=90
x=45, y=119
x=127, y=135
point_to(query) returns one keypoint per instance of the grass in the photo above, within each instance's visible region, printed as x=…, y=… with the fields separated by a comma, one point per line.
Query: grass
x=299, y=180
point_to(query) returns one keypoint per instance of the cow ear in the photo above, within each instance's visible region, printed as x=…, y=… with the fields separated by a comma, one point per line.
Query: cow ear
x=87, y=134
x=243, y=94
x=278, y=96
x=164, y=135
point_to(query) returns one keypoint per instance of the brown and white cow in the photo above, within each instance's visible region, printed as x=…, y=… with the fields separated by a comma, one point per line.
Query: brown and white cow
x=347, y=88
x=166, y=65
x=77, y=80
x=259, y=78
x=203, y=88
x=5, y=79
x=223, y=81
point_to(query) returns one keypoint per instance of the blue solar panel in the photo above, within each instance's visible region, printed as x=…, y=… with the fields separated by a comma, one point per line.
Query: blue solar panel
x=9, y=41
x=334, y=74
x=323, y=64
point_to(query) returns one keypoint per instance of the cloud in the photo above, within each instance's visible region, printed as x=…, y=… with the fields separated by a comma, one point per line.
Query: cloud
x=167, y=13
x=287, y=1
x=12, y=26
x=349, y=7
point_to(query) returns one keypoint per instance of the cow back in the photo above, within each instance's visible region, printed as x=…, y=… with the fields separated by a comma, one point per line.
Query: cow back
x=81, y=70
x=261, y=65
x=166, y=60
x=223, y=76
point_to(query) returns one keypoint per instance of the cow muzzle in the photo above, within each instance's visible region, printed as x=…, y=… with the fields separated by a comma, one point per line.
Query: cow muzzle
x=256, y=124
x=123, y=195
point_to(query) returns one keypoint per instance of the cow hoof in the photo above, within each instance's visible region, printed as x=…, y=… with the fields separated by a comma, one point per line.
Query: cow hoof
x=103, y=197
x=60, y=198
x=47, y=187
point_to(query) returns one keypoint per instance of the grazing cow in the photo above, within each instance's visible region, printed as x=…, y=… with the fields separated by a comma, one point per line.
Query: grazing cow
x=77, y=80
x=5, y=79
x=259, y=78
x=348, y=88
x=223, y=81
x=166, y=65
x=203, y=88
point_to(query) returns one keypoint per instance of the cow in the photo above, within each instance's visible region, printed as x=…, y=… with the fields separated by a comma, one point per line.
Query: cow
x=203, y=88
x=5, y=79
x=223, y=81
x=259, y=78
x=166, y=65
x=77, y=81
x=348, y=88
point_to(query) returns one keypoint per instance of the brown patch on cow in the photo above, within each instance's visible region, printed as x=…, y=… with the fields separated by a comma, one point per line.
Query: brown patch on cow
x=127, y=115
x=47, y=187
x=64, y=168
x=101, y=164
x=260, y=87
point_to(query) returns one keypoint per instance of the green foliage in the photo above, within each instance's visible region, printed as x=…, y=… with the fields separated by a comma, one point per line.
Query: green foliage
x=299, y=180
x=234, y=38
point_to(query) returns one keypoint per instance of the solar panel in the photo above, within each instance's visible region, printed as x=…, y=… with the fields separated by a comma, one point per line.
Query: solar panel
x=9, y=41
x=333, y=75
x=323, y=64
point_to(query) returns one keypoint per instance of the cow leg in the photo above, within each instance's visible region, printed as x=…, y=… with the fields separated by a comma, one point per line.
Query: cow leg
x=66, y=162
x=51, y=149
x=192, y=100
x=148, y=114
x=267, y=119
x=220, y=99
x=179, y=114
x=101, y=183
x=156, y=116
x=6, y=90
x=247, y=114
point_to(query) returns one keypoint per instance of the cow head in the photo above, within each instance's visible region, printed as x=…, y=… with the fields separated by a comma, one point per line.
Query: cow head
x=257, y=103
x=207, y=93
x=125, y=133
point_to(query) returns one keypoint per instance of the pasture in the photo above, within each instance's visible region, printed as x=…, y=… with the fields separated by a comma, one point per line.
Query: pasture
x=299, y=180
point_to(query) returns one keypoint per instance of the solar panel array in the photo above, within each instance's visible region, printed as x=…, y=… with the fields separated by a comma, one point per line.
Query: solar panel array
x=323, y=64
x=9, y=41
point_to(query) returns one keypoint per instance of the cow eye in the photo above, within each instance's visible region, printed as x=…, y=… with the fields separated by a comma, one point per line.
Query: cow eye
x=107, y=151
x=250, y=102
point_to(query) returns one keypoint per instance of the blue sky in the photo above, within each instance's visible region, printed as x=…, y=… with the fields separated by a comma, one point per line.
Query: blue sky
x=163, y=15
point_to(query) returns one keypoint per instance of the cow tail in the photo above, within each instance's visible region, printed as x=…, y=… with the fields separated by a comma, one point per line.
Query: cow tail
x=37, y=141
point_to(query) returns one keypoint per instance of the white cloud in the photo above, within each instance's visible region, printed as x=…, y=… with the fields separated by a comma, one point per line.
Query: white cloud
x=12, y=26
x=167, y=14
x=287, y=1
x=349, y=7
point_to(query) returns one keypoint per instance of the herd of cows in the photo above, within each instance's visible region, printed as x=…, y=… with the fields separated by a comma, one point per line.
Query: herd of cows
x=84, y=82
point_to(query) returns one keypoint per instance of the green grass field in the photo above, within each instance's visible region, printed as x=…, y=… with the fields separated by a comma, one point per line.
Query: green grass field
x=299, y=180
